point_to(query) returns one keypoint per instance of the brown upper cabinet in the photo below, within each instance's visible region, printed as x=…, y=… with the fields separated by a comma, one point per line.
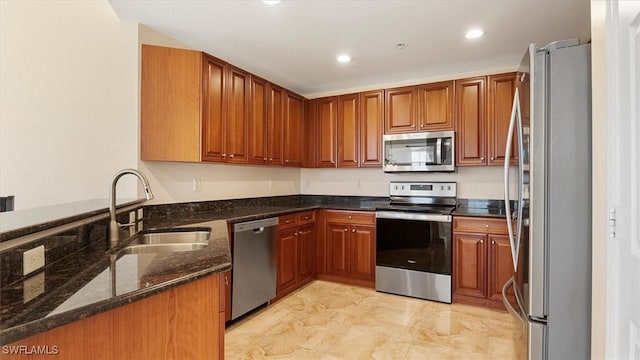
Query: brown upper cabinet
x=348, y=129
x=327, y=119
x=371, y=127
x=483, y=120
x=195, y=107
x=266, y=123
x=427, y=107
x=293, y=129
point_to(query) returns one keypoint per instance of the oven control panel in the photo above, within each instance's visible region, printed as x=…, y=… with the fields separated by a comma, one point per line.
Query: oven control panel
x=422, y=188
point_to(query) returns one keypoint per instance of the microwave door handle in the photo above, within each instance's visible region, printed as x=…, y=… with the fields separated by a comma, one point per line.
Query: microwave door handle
x=439, y=151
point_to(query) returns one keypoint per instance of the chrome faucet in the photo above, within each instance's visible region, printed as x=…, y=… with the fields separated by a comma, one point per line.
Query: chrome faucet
x=114, y=227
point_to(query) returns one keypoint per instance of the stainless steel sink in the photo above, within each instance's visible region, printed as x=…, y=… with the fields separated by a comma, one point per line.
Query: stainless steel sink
x=162, y=248
x=172, y=236
x=168, y=240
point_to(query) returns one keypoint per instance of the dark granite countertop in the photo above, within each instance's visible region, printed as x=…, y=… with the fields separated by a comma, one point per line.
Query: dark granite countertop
x=81, y=285
x=93, y=280
x=481, y=208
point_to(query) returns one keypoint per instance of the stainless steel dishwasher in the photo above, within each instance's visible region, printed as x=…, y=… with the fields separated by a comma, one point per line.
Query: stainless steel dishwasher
x=254, y=265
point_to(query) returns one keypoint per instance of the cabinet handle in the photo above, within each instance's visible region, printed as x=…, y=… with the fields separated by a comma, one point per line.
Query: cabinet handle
x=487, y=226
x=482, y=158
x=287, y=221
x=413, y=126
x=226, y=280
x=231, y=156
x=493, y=242
x=492, y=158
x=296, y=233
x=349, y=217
x=306, y=218
x=265, y=159
x=333, y=162
x=481, y=241
x=353, y=230
x=345, y=229
x=355, y=161
x=224, y=155
x=286, y=161
x=270, y=159
x=421, y=125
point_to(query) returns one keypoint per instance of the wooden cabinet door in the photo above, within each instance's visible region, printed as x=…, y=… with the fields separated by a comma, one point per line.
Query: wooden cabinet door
x=338, y=249
x=436, y=106
x=287, y=267
x=258, y=114
x=362, y=248
x=348, y=130
x=469, y=277
x=170, y=104
x=400, y=108
x=500, y=102
x=214, y=107
x=326, y=109
x=371, y=125
x=310, y=126
x=226, y=277
x=500, y=266
x=237, y=119
x=275, y=125
x=306, y=253
x=294, y=111
x=471, y=121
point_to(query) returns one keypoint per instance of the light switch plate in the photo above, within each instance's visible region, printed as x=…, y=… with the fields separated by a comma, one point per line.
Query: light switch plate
x=32, y=260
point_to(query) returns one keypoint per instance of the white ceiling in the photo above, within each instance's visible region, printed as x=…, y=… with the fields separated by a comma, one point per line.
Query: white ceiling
x=295, y=43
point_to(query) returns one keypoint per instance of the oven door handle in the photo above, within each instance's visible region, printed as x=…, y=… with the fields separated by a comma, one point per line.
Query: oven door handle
x=400, y=215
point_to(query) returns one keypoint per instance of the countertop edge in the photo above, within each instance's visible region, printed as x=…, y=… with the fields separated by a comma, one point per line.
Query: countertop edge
x=32, y=328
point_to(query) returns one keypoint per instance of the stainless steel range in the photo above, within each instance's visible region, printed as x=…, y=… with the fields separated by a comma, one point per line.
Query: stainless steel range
x=413, y=240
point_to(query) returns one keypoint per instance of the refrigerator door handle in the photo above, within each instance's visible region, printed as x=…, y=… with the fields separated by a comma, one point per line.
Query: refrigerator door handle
x=515, y=117
x=516, y=314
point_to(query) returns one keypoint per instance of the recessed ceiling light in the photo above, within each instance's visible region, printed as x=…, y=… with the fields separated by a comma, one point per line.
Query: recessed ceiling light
x=271, y=2
x=474, y=34
x=344, y=58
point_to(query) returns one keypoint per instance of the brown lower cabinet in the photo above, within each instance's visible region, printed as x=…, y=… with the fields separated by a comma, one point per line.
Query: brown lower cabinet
x=296, y=255
x=481, y=261
x=350, y=247
x=185, y=322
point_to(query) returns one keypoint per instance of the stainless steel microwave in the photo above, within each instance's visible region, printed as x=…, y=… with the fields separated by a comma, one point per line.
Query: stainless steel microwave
x=423, y=151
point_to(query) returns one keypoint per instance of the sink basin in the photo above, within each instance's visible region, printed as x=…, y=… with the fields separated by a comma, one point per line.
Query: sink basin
x=162, y=248
x=173, y=236
x=168, y=240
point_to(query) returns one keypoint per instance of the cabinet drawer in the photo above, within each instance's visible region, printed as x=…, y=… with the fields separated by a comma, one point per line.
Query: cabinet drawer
x=288, y=221
x=478, y=224
x=306, y=217
x=351, y=217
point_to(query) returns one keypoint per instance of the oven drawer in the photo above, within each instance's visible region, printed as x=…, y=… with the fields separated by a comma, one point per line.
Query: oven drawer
x=480, y=225
x=351, y=217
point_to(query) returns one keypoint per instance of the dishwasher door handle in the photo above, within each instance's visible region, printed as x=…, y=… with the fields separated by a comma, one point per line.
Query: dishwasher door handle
x=258, y=230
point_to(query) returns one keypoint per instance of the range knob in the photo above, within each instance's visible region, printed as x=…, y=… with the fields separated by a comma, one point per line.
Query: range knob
x=402, y=187
x=396, y=187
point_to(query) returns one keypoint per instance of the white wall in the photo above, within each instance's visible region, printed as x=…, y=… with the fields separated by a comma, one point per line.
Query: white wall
x=484, y=182
x=68, y=109
x=599, y=171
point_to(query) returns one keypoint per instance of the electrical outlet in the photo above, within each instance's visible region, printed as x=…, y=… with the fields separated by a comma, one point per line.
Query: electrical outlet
x=32, y=287
x=32, y=260
x=196, y=184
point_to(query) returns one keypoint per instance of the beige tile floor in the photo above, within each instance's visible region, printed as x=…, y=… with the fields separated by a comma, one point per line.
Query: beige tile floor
x=331, y=321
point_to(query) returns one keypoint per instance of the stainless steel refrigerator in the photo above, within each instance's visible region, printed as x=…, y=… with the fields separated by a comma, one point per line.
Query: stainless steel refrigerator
x=550, y=131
